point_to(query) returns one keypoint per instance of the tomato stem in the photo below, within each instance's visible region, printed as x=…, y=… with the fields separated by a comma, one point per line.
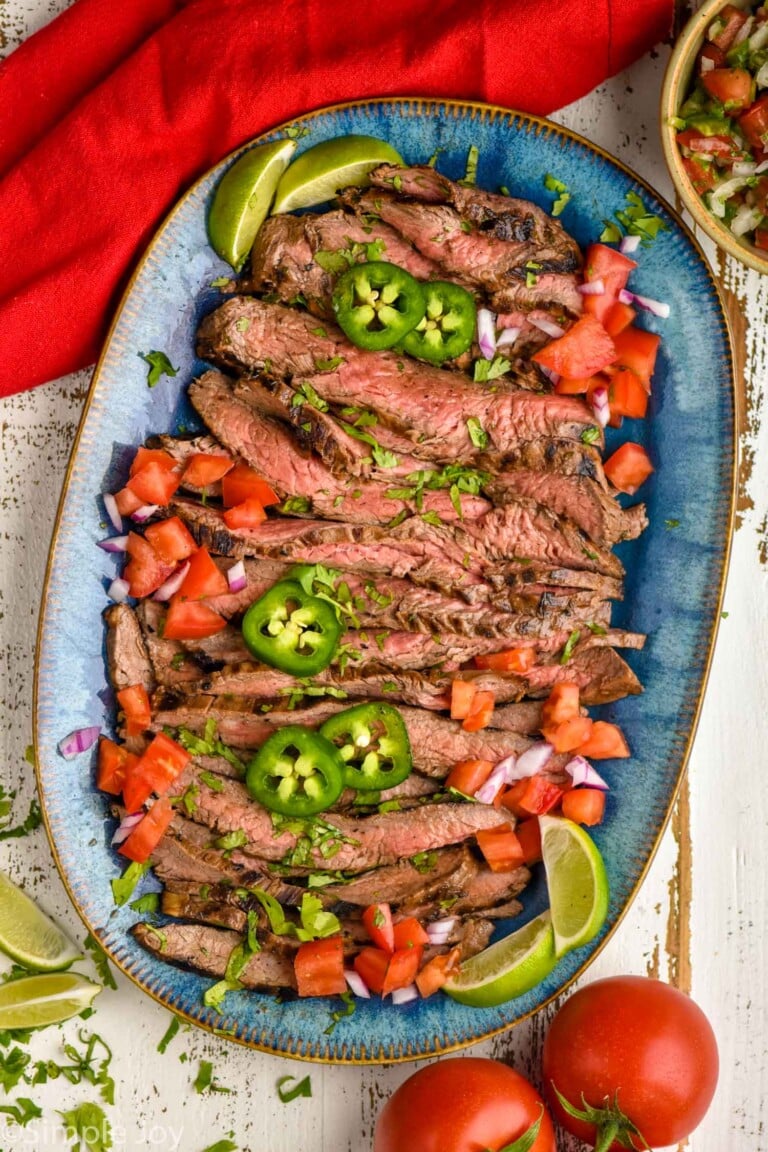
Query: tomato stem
x=609, y=1122
x=606, y=1135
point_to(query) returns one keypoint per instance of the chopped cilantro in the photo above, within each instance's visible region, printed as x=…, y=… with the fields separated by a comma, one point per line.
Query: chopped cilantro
x=32, y=820
x=470, y=174
x=341, y=1013
x=299, y=1088
x=221, y=282
x=477, y=433
x=424, y=861
x=634, y=220
x=12, y=1068
x=23, y=1110
x=485, y=370
x=569, y=646
x=672, y=523
x=307, y=393
x=221, y=1146
x=552, y=184
x=169, y=1035
x=146, y=904
x=319, y=331
x=88, y=1126
x=433, y=518
x=243, y=324
x=205, y=1080
x=123, y=888
x=159, y=365
x=590, y=435
x=100, y=959
x=596, y=629
x=328, y=366
x=231, y=840
x=215, y=783
x=296, y=505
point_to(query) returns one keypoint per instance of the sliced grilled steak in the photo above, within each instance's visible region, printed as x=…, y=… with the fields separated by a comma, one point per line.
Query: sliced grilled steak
x=434, y=403
x=582, y=501
x=127, y=655
x=292, y=471
x=208, y=950
x=396, y=883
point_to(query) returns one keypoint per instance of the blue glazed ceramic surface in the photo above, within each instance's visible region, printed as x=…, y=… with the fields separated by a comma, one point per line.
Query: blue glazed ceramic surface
x=674, y=584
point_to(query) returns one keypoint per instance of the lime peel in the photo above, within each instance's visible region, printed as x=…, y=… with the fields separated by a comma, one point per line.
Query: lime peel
x=243, y=197
x=576, y=880
x=28, y=936
x=316, y=176
x=37, y=1001
x=508, y=968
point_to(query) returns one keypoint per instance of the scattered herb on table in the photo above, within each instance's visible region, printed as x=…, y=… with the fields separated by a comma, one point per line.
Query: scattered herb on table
x=159, y=365
x=299, y=1088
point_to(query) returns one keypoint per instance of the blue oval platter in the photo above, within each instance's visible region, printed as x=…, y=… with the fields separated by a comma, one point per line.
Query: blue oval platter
x=673, y=592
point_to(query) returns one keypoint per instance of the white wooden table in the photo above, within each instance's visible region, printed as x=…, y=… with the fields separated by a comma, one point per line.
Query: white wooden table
x=701, y=918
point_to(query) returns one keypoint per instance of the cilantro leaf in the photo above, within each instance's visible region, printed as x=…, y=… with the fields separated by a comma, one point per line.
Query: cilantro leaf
x=169, y=1035
x=299, y=1088
x=569, y=646
x=552, y=184
x=123, y=888
x=221, y=1146
x=159, y=365
x=88, y=1126
x=12, y=1068
x=470, y=174
x=22, y=1111
x=100, y=959
x=485, y=370
x=32, y=820
x=205, y=1080
x=477, y=433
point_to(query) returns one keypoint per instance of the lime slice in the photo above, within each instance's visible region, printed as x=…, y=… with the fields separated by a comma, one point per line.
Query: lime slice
x=576, y=881
x=318, y=173
x=242, y=199
x=507, y=968
x=28, y=936
x=36, y=1001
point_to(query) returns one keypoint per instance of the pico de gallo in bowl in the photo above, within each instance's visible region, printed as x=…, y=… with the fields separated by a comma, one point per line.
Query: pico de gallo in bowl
x=715, y=125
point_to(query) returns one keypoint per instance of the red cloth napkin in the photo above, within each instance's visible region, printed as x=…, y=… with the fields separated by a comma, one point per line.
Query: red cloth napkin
x=110, y=112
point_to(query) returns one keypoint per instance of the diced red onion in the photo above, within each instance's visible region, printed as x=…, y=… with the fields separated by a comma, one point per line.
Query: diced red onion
x=508, y=336
x=509, y=763
x=486, y=332
x=405, y=995
x=114, y=544
x=655, y=307
x=629, y=244
x=706, y=65
x=172, y=584
x=357, y=985
x=439, y=931
x=600, y=406
x=592, y=288
x=531, y=762
x=582, y=772
x=110, y=504
x=143, y=514
x=547, y=326
x=126, y=826
x=551, y=375
x=488, y=791
x=78, y=741
x=625, y=297
x=119, y=590
x=236, y=577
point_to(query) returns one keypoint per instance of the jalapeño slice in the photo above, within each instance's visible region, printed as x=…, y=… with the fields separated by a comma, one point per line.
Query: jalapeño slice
x=373, y=743
x=296, y=772
x=448, y=326
x=291, y=630
x=377, y=303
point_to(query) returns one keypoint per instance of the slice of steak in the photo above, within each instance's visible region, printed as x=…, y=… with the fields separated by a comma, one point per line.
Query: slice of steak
x=207, y=950
x=292, y=471
x=396, y=883
x=127, y=657
x=433, y=403
x=470, y=889
x=583, y=502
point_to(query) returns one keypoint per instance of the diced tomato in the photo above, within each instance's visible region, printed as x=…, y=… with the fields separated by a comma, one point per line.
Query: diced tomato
x=191, y=620
x=161, y=763
x=146, y=456
x=754, y=122
x=203, y=578
x=585, y=349
x=637, y=349
x=410, y=934
x=528, y=833
x=244, y=483
x=171, y=539
x=584, y=806
x=612, y=267
x=724, y=146
x=127, y=502
x=404, y=963
x=761, y=239
x=561, y=704
x=569, y=734
x=319, y=967
x=733, y=87
x=378, y=924
x=437, y=972
x=715, y=55
x=511, y=797
x=760, y=194
x=627, y=395
x=115, y=762
x=702, y=176
x=469, y=775
x=206, y=468
x=145, y=571
x=462, y=694
x=565, y=386
x=249, y=514
x=134, y=702
x=617, y=318
x=628, y=468
x=148, y=833
x=154, y=483
x=513, y=660
x=727, y=24
x=540, y=796
x=605, y=742
x=480, y=712
x=501, y=848
x=372, y=965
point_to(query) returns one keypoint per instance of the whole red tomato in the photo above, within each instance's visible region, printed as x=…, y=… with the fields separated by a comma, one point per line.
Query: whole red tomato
x=637, y=1045
x=462, y=1105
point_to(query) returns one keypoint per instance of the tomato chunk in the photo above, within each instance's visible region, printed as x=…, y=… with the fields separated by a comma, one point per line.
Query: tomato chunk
x=462, y=694
x=726, y=26
x=565, y=386
x=403, y=965
x=410, y=934
x=761, y=239
x=714, y=55
x=148, y=833
x=754, y=123
x=513, y=660
x=134, y=702
x=145, y=456
x=243, y=483
x=627, y=395
x=203, y=578
x=154, y=484
x=480, y=712
x=605, y=742
x=702, y=176
x=191, y=620
x=617, y=318
x=612, y=267
x=561, y=704
x=205, y=468
x=377, y=919
x=585, y=349
x=115, y=762
x=127, y=502
x=372, y=964
x=569, y=734
x=501, y=848
x=584, y=806
x=539, y=796
x=162, y=762
x=145, y=570
x=249, y=514
x=437, y=972
x=733, y=87
x=319, y=967
x=469, y=775
x=171, y=539
x=628, y=468
x=636, y=349
x=528, y=833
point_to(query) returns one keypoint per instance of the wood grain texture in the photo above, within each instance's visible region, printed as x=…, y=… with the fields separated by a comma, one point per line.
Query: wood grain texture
x=700, y=918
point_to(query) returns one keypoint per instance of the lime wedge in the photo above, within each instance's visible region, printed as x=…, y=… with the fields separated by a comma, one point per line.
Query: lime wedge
x=242, y=199
x=28, y=936
x=507, y=968
x=576, y=881
x=318, y=173
x=36, y=1001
